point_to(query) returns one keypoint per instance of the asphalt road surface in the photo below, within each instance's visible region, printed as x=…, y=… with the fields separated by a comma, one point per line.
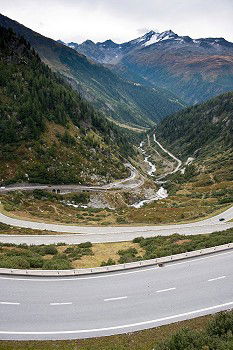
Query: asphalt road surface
x=112, y=303
x=79, y=234
x=131, y=182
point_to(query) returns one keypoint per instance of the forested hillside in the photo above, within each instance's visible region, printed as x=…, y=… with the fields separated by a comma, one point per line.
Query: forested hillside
x=202, y=136
x=48, y=133
x=205, y=126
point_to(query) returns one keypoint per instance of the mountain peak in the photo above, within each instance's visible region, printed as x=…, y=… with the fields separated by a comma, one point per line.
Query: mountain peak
x=61, y=42
x=108, y=44
x=154, y=37
x=88, y=42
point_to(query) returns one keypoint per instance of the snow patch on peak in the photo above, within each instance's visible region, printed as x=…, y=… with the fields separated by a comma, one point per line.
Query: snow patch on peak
x=157, y=37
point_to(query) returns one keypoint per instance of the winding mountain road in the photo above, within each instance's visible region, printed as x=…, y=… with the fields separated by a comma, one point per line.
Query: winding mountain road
x=131, y=182
x=79, y=234
x=179, y=162
x=112, y=303
x=42, y=308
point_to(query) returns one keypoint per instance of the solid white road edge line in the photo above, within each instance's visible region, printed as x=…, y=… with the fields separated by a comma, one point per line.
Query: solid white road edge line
x=117, y=298
x=78, y=278
x=194, y=312
x=165, y=290
x=216, y=278
x=8, y=303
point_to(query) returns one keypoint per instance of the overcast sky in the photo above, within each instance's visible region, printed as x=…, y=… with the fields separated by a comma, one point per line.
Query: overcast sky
x=122, y=20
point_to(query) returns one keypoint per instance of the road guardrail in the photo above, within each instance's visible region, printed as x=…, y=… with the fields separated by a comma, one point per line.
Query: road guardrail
x=121, y=267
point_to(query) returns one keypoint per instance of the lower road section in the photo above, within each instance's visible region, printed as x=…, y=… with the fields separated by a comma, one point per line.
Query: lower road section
x=105, y=304
x=110, y=234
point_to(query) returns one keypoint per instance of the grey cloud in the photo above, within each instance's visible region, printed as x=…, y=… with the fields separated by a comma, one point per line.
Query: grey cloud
x=122, y=19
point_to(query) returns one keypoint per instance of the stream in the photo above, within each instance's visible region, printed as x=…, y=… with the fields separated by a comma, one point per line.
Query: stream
x=161, y=193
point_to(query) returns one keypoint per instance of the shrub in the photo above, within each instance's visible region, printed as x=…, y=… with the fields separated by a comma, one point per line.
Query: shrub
x=130, y=251
x=108, y=262
x=226, y=200
x=14, y=262
x=86, y=251
x=222, y=325
x=82, y=198
x=138, y=239
x=9, y=207
x=128, y=255
x=49, y=249
x=16, y=252
x=69, y=250
x=56, y=264
x=182, y=340
x=216, y=335
x=4, y=227
x=36, y=262
x=78, y=252
x=85, y=245
x=121, y=220
x=40, y=194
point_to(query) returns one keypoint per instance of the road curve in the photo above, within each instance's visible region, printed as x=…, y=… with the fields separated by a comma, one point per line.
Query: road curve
x=113, y=303
x=131, y=182
x=79, y=234
x=179, y=162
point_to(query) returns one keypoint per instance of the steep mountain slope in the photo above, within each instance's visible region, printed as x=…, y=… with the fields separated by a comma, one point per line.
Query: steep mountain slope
x=48, y=133
x=120, y=99
x=206, y=125
x=194, y=69
x=204, y=133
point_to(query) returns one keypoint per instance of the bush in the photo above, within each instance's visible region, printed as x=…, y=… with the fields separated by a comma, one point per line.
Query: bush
x=40, y=194
x=16, y=252
x=182, y=340
x=109, y=262
x=226, y=200
x=216, y=335
x=56, y=264
x=69, y=250
x=85, y=245
x=128, y=255
x=82, y=198
x=222, y=325
x=49, y=250
x=14, y=262
x=4, y=227
x=78, y=252
x=36, y=262
x=130, y=251
x=138, y=239
x=121, y=220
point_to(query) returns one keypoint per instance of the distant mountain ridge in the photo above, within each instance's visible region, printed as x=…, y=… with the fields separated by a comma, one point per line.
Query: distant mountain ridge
x=118, y=97
x=111, y=52
x=193, y=69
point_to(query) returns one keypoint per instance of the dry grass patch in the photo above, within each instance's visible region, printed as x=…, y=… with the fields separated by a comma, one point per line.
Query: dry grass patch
x=104, y=251
x=183, y=241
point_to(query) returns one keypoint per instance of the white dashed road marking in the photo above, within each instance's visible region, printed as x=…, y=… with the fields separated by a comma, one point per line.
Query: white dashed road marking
x=216, y=278
x=118, y=298
x=165, y=290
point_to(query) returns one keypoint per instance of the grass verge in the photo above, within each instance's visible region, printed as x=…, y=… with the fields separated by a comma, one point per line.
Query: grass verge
x=217, y=329
x=84, y=255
